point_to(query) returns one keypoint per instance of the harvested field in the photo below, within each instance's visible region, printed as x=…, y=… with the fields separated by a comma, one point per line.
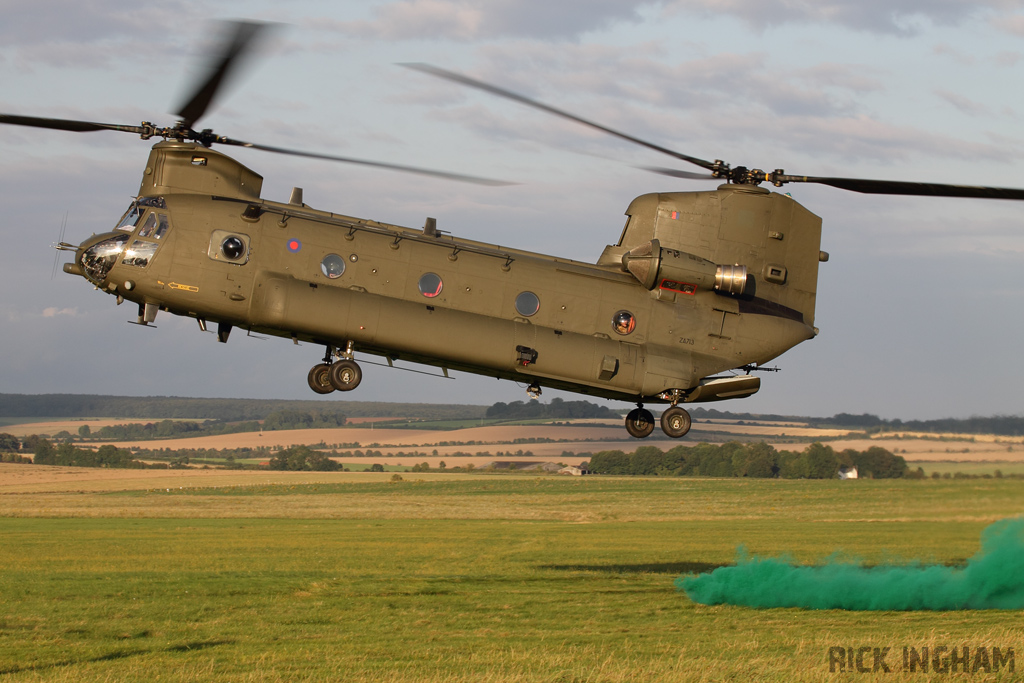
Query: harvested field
x=51, y=427
x=582, y=436
x=932, y=449
x=16, y=479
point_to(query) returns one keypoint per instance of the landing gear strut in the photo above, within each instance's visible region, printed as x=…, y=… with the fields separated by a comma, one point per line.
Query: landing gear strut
x=343, y=374
x=639, y=422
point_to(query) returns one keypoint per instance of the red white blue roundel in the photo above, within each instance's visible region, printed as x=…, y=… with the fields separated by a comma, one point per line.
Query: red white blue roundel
x=294, y=245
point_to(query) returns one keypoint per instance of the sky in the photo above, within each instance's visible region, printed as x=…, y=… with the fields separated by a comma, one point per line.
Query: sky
x=919, y=308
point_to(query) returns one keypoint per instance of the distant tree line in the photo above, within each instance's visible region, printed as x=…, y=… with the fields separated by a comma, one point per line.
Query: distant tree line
x=759, y=460
x=68, y=455
x=226, y=409
x=1002, y=425
x=238, y=410
x=138, y=431
x=165, y=429
x=556, y=409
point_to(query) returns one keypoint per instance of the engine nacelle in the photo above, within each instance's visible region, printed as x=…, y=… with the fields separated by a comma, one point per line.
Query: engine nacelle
x=679, y=271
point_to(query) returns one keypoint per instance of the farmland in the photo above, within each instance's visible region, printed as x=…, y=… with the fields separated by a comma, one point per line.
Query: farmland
x=216, y=575
x=562, y=441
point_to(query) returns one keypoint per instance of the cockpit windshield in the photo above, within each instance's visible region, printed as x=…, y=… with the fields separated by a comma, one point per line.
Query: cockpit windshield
x=101, y=257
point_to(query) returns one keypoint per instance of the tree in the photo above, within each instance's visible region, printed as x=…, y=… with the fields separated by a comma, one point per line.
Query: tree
x=609, y=462
x=376, y=467
x=879, y=463
x=43, y=453
x=9, y=442
x=822, y=462
x=84, y=431
x=762, y=461
x=302, y=458
x=646, y=460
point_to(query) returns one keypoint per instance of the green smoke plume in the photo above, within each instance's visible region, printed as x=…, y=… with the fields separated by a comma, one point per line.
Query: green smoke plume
x=992, y=579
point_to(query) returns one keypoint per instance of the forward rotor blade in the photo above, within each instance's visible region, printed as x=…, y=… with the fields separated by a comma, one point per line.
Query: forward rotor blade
x=676, y=173
x=237, y=42
x=501, y=92
x=365, y=162
x=65, y=124
x=898, y=187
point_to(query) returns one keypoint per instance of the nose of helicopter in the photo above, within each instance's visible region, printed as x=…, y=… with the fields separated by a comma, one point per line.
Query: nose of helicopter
x=73, y=269
x=96, y=256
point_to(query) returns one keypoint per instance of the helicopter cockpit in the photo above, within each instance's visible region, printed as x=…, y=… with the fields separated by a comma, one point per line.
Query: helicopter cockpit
x=149, y=227
x=98, y=259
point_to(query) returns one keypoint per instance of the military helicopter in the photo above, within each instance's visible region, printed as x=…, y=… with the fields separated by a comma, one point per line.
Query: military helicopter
x=698, y=285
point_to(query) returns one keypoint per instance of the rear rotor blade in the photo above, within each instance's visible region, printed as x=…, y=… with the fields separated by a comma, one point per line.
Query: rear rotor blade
x=238, y=42
x=365, y=162
x=676, y=173
x=867, y=186
x=501, y=92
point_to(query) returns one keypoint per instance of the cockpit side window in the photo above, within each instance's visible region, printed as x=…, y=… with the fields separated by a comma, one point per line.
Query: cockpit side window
x=130, y=218
x=149, y=226
x=156, y=226
x=163, y=225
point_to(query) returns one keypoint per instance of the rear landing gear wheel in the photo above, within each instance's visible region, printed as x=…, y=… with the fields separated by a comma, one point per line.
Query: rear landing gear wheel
x=320, y=379
x=675, y=422
x=639, y=423
x=346, y=375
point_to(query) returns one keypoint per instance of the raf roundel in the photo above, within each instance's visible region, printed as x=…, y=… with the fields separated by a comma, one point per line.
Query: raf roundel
x=294, y=245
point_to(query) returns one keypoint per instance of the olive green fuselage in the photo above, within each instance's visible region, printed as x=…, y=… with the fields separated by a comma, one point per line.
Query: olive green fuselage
x=411, y=294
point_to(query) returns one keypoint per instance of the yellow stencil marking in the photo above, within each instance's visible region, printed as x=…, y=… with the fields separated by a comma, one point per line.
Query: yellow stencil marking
x=184, y=288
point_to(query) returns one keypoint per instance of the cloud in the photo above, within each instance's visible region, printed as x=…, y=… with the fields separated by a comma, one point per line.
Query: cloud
x=701, y=107
x=860, y=137
x=98, y=33
x=1013, y=24
x=1008, y=58
x=468, y=20
x=638, y=76
x=945, y=50
x=72, y=21
x=53, y=312
x=965, y=105
x=901, y=17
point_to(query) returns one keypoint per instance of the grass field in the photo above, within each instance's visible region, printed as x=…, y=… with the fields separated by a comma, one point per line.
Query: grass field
x=349, y=576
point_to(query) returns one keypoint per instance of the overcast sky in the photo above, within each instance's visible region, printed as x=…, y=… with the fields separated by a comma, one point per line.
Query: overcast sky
x=919, y=308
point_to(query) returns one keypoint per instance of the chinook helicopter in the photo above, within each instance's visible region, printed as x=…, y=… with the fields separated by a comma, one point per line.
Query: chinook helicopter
x=698, y=284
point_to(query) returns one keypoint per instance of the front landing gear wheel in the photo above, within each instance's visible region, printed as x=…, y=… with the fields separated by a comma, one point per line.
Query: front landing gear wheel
x=346, y=375
x=639, y=423
x=675, y=422
x=320, y=379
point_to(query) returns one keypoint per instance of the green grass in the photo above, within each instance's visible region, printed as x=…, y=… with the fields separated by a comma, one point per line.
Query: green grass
x=463, y=579
x=978, y=468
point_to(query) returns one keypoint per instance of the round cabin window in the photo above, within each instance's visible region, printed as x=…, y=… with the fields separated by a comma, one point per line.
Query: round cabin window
x=333, y=266
x=430, y=285
x=527, y=304
x=623, y=322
